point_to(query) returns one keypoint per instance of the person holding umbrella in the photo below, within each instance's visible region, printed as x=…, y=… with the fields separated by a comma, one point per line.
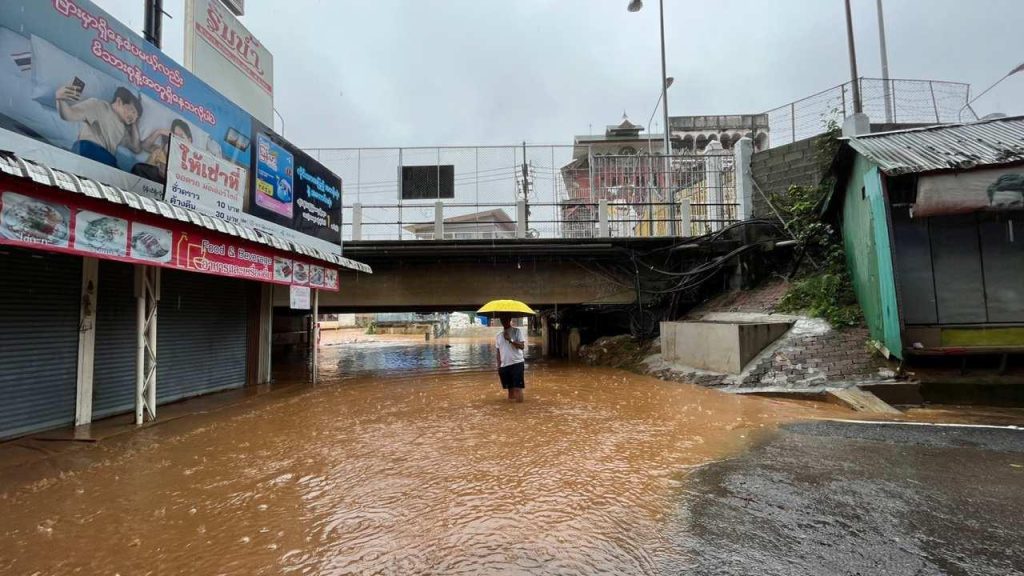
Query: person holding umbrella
x=511, y=344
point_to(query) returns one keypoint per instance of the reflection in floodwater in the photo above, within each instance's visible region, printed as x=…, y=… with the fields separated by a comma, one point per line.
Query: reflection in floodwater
x=408, y=459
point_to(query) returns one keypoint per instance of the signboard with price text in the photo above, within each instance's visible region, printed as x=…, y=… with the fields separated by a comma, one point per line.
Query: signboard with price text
x=197, y=180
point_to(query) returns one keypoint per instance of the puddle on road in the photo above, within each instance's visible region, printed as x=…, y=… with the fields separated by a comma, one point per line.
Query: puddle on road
x=382, y=470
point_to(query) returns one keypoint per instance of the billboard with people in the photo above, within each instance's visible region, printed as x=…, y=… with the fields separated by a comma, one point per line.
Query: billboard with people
x=73, y=77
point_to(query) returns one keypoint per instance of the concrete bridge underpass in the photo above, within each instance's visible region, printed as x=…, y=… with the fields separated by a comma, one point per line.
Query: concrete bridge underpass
x=644, y=273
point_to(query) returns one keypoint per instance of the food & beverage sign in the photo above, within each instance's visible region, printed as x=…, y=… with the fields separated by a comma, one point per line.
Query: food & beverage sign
x=54, y=221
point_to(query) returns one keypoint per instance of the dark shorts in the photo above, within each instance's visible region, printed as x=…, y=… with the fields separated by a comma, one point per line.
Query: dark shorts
x=512, y=375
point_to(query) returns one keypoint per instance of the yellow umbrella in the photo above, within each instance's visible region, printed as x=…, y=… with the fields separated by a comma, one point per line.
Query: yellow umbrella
x=515, y=308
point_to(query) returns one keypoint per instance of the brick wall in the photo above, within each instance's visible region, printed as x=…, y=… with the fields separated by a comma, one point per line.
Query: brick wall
x=776, y=169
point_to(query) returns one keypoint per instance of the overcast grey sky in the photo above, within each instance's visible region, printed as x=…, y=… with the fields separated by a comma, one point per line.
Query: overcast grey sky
x=461, y=72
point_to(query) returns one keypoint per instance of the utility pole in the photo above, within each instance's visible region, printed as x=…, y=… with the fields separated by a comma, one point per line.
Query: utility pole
x=526, y=187
x=153, y=26
x=885, y=63
x=853, y=61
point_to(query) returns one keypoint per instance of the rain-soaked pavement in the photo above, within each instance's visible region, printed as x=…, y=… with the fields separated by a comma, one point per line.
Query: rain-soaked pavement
x=851, y=499
x=407, y=459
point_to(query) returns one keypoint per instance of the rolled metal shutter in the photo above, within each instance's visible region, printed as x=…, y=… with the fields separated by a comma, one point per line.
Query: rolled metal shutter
x=114, y=364
x=40, y=297
x=201, y=335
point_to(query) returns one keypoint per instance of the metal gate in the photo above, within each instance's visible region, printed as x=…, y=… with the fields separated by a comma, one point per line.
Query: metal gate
x=40, y=296
x=116, y=341
x=201, y=335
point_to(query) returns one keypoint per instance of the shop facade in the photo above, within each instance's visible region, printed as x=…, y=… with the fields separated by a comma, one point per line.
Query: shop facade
x=112, y=303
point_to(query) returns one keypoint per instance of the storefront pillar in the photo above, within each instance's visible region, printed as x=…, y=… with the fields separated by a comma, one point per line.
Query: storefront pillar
x=86, y=341
x=545, y=335
x=315, y=334
x=147, y=294
x=263, y=374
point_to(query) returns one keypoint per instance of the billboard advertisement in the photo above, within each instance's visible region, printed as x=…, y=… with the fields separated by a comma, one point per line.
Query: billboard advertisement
x=74, y=78
x=221, y=51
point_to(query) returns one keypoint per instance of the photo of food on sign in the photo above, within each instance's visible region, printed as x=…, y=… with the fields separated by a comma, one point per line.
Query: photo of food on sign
x=282, y=269
x=30, y=220
x=101, y=233
x=151, y=243
x=316, y=276
x=300, y=274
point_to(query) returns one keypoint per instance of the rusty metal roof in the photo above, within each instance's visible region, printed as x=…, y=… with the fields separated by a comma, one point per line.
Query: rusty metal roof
x=945, y=147
x=20, y=167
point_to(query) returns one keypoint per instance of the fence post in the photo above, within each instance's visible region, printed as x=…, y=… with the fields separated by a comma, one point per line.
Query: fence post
x=439, y=220
x=685, y=218
x=894, y=120
x=602, y=218
x=743, y=151
x=792, y=121
x=520, y=218
x=357, y=221
x=590, y=173
x=713, y=180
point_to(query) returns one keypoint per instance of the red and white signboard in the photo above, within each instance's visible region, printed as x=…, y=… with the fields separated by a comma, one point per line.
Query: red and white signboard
x=222, y=52
x=198, y=180
x=49, y=220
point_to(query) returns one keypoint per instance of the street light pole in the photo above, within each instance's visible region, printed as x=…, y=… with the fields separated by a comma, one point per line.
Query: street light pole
x=153, y=26
x=885, y=63
x=635, y=6
x=669, y=82
x=853, y=61
x=282, y=120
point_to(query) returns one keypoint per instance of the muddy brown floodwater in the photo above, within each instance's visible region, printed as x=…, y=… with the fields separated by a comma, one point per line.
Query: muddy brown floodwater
x=406, y=459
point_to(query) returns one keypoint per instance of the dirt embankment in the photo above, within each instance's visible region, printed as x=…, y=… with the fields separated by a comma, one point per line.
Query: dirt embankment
x=618, y=352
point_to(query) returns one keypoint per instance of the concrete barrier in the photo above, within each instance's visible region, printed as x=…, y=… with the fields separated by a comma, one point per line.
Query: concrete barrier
x=725, y=347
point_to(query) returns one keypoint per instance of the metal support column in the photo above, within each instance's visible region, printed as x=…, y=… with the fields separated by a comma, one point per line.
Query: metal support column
x=315, y=344
x=86, y=341
x=713, y=173
x=603, y=230
x=147, y=295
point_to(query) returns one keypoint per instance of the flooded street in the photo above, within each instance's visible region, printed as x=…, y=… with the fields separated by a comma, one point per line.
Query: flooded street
x=406, y=459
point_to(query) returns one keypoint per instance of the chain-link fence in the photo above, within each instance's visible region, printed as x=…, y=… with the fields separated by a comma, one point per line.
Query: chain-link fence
x=532, y=191
x=884, y=101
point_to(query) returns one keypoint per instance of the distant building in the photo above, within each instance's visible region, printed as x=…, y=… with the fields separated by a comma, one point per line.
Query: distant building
x=695, y=132
x=485, y=225
x=620, y=166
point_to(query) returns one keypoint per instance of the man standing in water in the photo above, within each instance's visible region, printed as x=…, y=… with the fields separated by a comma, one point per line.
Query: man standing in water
x=511, y=362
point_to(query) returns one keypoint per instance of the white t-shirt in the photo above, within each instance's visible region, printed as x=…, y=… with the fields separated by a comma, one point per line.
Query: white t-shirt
x=510, y=354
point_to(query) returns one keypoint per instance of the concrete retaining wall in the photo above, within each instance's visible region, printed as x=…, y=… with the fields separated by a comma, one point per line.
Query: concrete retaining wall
x=719, y=346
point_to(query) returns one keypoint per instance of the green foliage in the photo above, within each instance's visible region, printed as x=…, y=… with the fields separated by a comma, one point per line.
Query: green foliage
x=824, y=295
x=823, y=288
x=371, y=328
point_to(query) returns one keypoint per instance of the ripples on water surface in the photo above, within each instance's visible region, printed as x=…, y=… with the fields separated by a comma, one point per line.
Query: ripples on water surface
x=390, y=468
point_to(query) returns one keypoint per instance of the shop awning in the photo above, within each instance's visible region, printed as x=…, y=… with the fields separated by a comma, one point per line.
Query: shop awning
x=18, y=167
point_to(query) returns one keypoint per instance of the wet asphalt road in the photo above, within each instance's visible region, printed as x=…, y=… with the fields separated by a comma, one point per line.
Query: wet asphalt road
x=834, y=498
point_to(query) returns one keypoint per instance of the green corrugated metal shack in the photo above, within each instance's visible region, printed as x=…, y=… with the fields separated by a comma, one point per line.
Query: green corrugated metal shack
x=933, y=225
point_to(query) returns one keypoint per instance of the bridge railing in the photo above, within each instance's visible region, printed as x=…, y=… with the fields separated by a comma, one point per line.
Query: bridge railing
x=602, y=219
x=568, y=191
